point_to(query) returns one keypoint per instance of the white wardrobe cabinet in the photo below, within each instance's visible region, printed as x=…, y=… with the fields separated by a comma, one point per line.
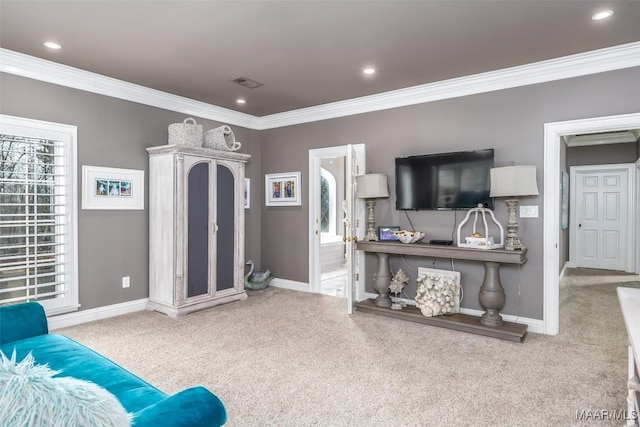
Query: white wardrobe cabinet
x=196, y=228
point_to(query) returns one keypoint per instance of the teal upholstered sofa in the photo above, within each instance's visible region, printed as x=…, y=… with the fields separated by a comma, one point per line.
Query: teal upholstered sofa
x=24, y=327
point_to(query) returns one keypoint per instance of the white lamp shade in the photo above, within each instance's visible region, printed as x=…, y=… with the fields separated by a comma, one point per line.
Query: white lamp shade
x=371, y=186
x=513, y=181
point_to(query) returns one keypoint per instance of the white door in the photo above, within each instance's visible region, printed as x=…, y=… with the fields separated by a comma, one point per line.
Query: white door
x=354, y=218
x=600, y=216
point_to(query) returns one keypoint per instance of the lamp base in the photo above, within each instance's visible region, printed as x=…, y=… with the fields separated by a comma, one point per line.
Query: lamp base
x=512, y=242
x=371, y=236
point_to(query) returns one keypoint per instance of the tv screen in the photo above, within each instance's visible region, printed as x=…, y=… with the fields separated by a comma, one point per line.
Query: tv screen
x=444, y=181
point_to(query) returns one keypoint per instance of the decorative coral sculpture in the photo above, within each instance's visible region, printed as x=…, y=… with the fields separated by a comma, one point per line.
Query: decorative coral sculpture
x=437, y=294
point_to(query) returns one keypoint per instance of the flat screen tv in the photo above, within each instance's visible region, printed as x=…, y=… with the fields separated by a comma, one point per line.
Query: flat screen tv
x=444, y=181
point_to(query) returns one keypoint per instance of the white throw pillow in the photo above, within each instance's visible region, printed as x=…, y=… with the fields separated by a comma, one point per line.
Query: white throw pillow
x=31, y=396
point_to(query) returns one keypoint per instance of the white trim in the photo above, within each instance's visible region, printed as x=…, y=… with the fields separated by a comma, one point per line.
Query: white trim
x=68, y=134
x=79, y=317
x=290, y=284
x=534, y=325
x=553, y=140
x=567, y=264
x=39, y=69
x=581, y=64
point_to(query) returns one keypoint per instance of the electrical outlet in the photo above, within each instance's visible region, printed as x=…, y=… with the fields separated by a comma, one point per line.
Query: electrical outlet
x=126, y=281
x=529, y=211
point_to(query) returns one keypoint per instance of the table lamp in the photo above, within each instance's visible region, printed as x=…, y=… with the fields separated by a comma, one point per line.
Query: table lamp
x=371, y=187
x=511, y=182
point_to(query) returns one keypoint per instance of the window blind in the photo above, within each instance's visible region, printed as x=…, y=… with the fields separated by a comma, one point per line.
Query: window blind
x=34, y=220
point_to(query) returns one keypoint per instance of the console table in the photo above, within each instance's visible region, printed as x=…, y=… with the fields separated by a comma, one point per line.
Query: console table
x=492, y=296
x=630, y=304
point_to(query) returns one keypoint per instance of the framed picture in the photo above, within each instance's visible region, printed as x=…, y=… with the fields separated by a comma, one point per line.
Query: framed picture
x=282, y=189
x=247, y=193
x=385, y=232
x=111, y=188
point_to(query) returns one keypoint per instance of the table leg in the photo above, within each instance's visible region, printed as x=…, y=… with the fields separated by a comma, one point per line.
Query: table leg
x=381, y=281
x=492, y=297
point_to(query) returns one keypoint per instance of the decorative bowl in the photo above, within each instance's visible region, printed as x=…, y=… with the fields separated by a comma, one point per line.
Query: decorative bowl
x=406, y=236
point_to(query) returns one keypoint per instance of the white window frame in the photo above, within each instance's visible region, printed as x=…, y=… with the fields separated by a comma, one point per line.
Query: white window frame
x=68, y=135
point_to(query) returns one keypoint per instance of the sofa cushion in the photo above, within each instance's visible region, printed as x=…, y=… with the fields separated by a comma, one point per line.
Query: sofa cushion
x=30, y=395
x=20, y=321
x=75, y=360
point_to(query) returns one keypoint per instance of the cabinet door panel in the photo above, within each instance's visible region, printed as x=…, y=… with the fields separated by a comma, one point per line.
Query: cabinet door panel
x=225, y=239
x=198, y=230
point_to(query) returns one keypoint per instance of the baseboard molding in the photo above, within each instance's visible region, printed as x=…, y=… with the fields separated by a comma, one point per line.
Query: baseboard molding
x=535, y=325
x=79, y=317
x=564, y=268
x=290, y=284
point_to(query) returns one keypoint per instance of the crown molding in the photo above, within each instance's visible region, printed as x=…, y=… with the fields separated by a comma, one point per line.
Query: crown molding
x=581, y=64
x=592, y=62
x=40, y=69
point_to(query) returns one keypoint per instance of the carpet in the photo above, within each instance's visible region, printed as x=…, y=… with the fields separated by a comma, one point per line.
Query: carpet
x=286, y=358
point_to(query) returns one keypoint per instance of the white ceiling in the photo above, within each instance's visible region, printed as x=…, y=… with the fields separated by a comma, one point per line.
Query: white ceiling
x=306, y=53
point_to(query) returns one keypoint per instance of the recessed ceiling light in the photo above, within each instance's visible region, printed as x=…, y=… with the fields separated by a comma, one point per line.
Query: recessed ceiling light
x=603, y=14
x=240, y=101
x=369, y=70
x=53, y=45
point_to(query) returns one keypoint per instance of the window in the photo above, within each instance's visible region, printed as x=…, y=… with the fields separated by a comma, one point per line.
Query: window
x=38, y=220
x=327, y=202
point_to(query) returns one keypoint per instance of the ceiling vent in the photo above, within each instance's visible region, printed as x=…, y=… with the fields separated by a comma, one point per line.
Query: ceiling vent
x=247, y=82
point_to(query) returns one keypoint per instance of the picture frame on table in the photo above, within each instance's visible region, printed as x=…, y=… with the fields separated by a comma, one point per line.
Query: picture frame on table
x=112, y=188
x=282, y=189
x=385, y=232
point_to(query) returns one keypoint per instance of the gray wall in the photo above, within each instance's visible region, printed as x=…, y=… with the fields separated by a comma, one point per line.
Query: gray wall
x=115, y=133
x=602, y=154
x=510, y=121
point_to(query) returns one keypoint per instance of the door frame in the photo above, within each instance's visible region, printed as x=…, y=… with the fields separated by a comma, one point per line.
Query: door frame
x=314, y=212
x=553, y=140
x=629, y=264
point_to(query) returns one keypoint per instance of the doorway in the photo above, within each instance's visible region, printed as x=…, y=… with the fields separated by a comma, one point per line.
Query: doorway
x=554, y=151
x=334, y=219
x=601, y=219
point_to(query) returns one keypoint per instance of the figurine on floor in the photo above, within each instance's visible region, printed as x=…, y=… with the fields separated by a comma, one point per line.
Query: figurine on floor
x=256, y=279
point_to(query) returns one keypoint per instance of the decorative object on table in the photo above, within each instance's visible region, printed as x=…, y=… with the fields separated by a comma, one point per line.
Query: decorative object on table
x=282, y=189
x=256, y=279
x=387, y=232
x=478, y=239
x=406, y=236
x=438, y=292
x=512, y=182
x=398, y=283
x=184, y=133
x=371, y=187
x=221, y=138
x=112, y=188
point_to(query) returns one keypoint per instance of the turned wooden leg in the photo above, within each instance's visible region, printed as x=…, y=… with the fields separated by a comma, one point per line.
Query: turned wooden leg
x=492, y=297
x=381, y=281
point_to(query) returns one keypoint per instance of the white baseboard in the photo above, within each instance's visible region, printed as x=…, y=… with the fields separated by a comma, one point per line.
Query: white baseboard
x=71, y=319
x=564, y=268
x=290, y=284
x=534, y=325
